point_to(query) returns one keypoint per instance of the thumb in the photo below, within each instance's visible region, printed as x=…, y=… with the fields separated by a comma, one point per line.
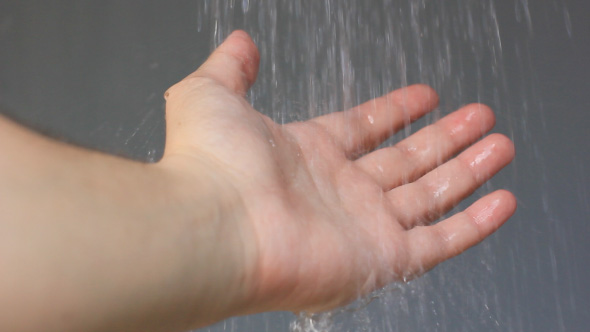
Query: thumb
x=234, y=64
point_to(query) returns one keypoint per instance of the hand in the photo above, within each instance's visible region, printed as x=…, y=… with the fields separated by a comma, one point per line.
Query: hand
x=319, y=217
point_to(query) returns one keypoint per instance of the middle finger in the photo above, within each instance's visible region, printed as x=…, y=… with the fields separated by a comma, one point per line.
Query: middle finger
x=414, y=156
x=434, y=194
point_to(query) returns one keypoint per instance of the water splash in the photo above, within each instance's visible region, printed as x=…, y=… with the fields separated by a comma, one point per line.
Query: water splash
x=317, y=323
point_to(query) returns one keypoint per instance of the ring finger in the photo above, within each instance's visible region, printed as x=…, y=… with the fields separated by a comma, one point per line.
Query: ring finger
x=421, y=152
x=423, y=201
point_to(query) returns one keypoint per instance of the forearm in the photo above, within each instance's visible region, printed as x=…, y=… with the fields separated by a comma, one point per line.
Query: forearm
x=94, y=242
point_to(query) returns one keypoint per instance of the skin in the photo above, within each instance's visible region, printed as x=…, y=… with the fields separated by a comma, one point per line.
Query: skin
x=241, y=215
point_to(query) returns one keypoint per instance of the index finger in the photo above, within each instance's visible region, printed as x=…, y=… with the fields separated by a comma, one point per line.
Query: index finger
x=364, y=127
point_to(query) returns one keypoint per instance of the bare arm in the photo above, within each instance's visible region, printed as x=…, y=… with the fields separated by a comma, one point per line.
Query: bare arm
x=94, y=242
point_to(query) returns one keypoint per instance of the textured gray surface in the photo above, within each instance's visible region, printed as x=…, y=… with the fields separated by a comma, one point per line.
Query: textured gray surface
x=93, y=73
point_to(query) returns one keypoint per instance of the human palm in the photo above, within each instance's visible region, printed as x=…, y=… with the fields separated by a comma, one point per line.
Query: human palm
x=330, y=218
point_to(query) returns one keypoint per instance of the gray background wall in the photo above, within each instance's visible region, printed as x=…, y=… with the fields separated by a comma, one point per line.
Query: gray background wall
x=93, y=73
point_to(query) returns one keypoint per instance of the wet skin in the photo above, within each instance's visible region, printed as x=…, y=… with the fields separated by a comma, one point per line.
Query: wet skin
x=241, y=214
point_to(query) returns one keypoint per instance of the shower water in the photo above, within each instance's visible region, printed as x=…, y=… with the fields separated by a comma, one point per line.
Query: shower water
x=322, y=56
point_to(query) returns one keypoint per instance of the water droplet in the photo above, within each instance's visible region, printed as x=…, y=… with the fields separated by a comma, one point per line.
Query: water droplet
x=441, y=188
x=483, y=155
x=487, y=212
x=568, y=22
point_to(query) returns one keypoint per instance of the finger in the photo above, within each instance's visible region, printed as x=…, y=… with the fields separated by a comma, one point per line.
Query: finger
x=430, y=245
x=364, y=127
x=434, y=194
x=215, y=88
x=428, y=148
x=234, y=64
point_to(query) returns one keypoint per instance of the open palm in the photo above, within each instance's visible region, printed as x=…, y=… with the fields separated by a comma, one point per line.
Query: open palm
x=330, y=219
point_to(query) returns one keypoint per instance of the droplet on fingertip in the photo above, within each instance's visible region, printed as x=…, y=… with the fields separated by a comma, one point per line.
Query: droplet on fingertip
x=487, y=212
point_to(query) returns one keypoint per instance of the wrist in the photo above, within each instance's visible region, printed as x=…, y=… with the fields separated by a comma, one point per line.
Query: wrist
x=216, y=245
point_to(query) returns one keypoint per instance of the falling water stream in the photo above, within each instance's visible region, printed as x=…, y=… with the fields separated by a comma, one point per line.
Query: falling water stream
x=323, y=56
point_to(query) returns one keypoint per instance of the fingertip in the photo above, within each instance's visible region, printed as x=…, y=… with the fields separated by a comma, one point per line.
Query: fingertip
x=240, y=34
x=505, y=144
x=240, y=45
x=430, y=95
x=509, y=201
x=417, y=96
x=234, y=64
x=243, y=45
x=492, y=211
x=488, y=156
x=482, y=113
